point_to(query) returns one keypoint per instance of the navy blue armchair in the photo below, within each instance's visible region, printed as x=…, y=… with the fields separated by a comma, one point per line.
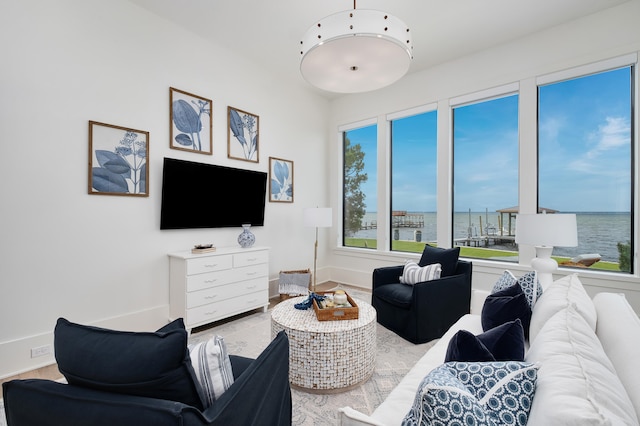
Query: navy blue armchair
x=423, y=311
x=260, y=395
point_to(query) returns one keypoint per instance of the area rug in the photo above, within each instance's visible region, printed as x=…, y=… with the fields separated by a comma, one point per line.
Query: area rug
x=249, y=334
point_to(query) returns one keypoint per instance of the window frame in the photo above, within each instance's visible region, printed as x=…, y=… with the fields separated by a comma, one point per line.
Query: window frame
x=611, y=64
x=487, y=95
x=389, y=118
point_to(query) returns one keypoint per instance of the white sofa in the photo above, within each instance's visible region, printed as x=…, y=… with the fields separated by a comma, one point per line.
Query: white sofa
x=586, y=351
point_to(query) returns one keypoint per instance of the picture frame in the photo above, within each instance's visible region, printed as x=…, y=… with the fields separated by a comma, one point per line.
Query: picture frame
x=118, y=160
x=191, y=122
x=280, y=180
x=243, y=131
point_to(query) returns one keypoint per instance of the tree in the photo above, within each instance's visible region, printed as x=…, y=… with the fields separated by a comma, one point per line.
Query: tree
x=354, y=205
x=624, y=252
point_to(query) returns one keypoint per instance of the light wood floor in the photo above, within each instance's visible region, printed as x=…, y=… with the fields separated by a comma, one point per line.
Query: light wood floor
x=51, y=372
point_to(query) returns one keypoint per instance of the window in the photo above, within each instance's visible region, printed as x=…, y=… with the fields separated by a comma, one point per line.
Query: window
x=360, y=187
x=413, y=181
x=485, y=177
x=585, y=163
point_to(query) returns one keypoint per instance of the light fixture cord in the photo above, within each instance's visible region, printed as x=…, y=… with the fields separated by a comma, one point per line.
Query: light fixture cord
x=354, y=4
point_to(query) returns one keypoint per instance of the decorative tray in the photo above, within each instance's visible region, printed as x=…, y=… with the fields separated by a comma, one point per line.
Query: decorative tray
x=338, y=312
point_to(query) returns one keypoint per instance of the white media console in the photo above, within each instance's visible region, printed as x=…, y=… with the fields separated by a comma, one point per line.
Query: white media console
x=208, y=287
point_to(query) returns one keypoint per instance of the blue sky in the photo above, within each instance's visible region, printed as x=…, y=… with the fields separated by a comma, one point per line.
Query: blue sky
x=584, y=151
x=585, y=154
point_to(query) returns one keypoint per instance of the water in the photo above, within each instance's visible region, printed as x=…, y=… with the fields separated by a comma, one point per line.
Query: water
x=597, y=232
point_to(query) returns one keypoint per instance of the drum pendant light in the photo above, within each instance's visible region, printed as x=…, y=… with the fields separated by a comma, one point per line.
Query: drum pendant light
x=355, y=51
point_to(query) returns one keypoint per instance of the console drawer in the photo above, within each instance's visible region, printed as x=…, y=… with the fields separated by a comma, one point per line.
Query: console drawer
x=199, y=265
x=225, y=292
x=219, y=310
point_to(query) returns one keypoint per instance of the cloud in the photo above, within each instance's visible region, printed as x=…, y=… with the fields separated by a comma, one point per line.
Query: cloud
x=610, y=135
x=550, y=129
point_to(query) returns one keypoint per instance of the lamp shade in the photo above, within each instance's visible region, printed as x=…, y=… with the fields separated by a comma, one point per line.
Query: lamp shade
x=355, y=51
x=318, y=217
x=554, y=230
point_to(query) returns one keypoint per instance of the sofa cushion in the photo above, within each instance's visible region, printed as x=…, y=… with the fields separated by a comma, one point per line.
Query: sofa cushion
x=504, y=306
x=485, y=393
x=529, y=283
x=155, y=365
x=502, y=343
x=560, y=294
x=447, y=258
x=577, y=384
x=212, y=367
x=399, y=401
x=400, y=295
x=413, y=273
x=618, y=329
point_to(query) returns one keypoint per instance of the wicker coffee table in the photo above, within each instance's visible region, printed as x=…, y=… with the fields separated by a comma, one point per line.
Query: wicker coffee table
x=327, y=356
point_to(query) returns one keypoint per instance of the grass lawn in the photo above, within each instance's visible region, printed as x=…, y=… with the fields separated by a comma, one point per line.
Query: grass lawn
x=470, y=252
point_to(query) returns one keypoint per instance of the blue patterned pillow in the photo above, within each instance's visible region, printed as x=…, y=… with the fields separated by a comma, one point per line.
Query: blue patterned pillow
x=529, y=283
x=479, y=393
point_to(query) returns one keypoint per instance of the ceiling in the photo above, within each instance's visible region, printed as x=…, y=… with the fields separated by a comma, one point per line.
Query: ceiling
x=268, y=32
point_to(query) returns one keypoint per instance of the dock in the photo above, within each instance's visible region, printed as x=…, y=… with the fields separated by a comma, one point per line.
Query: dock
x=485, y=240
x=399, y=219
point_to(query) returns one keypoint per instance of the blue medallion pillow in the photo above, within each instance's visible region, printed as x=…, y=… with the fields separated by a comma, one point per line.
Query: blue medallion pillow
x=502, y=343
x=529, y=283
x=447, y=258
x=504, y=306
x=150, y=364
x=478, y=393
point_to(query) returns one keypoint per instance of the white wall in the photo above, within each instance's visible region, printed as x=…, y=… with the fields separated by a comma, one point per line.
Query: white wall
x=102, y=259
x=597, y=37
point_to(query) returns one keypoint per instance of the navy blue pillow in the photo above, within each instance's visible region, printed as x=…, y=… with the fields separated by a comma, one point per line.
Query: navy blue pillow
x=447, y=258
x=155, y=365
x=504, y=306
x=502, y=343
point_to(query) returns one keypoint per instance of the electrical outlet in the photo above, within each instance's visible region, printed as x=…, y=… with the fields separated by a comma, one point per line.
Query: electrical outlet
x=40, y=351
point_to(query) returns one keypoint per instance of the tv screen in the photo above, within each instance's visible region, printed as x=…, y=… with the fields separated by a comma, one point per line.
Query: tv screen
x=198, y=195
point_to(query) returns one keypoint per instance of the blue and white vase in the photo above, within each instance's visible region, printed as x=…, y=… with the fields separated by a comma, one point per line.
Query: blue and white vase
x=246, y=237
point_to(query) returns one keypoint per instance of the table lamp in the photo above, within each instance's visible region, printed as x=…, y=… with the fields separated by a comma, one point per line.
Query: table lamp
x=544, y=231
x=317, y=217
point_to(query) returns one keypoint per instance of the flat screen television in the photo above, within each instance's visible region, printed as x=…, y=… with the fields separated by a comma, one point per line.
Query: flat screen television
x=198, y=195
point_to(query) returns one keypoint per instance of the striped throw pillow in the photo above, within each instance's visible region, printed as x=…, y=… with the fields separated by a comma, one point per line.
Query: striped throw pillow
x=413, y=273
x=212, y=366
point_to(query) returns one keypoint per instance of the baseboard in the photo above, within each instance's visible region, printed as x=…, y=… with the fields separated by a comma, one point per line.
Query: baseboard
x=351, y=277
x=16, y=354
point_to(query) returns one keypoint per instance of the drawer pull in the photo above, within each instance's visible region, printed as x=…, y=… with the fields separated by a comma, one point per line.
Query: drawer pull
x=251, y=273
x=249, y=287
x=253, y=259
x=210, y=265
x=211, y=297
x=251, y=301
x=211, y=281
x=210, y=313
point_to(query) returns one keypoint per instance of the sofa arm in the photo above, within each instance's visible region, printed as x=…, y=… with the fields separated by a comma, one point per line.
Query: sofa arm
x=386, y=275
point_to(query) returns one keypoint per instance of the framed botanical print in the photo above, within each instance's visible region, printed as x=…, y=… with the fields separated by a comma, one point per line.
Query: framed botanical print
x=281, y=180
x=243, y=131
x=191, y=122
x=118, y=160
